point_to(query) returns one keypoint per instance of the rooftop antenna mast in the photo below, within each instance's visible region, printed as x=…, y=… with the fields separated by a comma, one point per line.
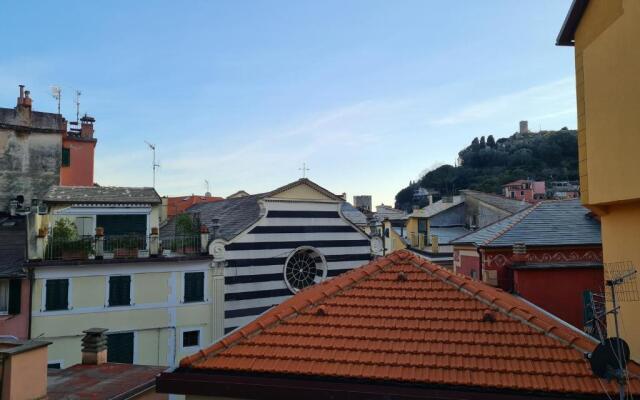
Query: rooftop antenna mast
x=609, y=359
x=56, y=92
x=206, y=185
x=78, y=93
x=304, y=170
x=153, y=164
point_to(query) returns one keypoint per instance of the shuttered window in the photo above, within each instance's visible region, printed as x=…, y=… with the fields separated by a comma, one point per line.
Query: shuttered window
x=119, y=291
x=66, y=157
x=4, y=296
x=15, y=296
x=57, y=294
x=120, y=348
x=193, y=286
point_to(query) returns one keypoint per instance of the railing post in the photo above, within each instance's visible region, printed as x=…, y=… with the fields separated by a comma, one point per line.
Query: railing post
x=41, y=243
x=154, y=242
x=99, y=243
x=204, y=239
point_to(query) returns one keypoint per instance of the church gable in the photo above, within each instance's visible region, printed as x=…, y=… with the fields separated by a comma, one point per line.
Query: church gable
x=304, y=189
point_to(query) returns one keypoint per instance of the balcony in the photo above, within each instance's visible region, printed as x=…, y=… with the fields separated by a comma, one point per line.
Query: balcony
x=104, y=247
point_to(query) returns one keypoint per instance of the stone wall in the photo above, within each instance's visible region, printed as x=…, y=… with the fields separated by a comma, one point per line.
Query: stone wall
x=29, y=164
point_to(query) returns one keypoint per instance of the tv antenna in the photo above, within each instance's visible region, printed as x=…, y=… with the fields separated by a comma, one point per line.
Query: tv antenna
x=56, y=92
x=78, y=93
x=154, y=165
x=304, y=170
x=206, y=185
x=609, y=359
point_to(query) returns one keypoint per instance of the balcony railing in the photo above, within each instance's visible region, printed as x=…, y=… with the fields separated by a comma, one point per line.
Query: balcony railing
x=121, y=246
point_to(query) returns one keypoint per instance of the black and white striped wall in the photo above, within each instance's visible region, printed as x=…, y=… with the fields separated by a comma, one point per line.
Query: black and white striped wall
x=254, y=275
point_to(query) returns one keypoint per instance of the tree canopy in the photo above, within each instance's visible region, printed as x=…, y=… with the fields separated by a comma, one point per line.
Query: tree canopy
x=487, y=164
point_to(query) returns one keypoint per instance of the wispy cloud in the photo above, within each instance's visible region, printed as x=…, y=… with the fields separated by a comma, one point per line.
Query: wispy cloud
x=552, y=95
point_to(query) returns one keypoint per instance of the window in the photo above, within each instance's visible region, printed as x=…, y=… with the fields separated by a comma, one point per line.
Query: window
x=66, y=157
x=119, y=291
x=120, y=348
x=54, y=365
x=57, y=294
x=4, y=296
x=422, y=226
x=193, y=287
x=190, y=338
x=303, y=268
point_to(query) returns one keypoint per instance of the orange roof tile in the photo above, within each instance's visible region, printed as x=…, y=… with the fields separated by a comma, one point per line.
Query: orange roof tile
x=404, y=319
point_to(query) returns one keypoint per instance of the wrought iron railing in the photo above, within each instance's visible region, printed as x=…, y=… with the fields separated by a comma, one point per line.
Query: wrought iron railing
x=120, y=246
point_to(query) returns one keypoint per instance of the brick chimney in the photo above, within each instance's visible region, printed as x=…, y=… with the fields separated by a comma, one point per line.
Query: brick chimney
x=24, y=100
x=86, y=126
x=94, y=346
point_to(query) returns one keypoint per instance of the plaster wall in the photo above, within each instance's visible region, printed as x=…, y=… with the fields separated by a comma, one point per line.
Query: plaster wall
x=80, y=170
x=18, y=325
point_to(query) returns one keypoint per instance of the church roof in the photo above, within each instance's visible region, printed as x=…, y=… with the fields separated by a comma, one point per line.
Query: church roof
x=404, y=321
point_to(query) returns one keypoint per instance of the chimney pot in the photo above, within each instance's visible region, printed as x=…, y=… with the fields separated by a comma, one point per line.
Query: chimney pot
x=94, y=346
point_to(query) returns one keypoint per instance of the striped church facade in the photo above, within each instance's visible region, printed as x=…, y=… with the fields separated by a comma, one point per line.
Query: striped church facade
x=254, y=275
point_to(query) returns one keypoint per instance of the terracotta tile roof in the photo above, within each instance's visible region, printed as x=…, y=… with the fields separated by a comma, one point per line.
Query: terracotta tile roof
x=101, y=382
x=405, y=320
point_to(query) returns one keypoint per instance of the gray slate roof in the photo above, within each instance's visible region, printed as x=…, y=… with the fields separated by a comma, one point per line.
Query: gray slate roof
x=237, y=214
x=353, y=214
x=447, y=234
x=39, y=120
x=102, y=194
x=548, y=223
x=436, y=208
x=503, y=203
x=13, y=246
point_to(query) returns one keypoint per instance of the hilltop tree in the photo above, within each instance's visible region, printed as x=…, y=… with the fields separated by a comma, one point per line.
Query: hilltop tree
x=491, y=142
x=482, y=142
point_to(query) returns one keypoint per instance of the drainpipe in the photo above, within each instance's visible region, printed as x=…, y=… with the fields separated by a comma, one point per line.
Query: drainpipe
x=481, y=272
x=31, y=277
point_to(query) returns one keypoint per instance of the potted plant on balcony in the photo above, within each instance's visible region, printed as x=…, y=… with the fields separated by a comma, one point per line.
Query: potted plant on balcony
x=127, y=246
x=66, y=244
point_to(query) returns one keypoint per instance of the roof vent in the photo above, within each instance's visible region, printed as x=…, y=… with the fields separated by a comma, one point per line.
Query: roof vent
x=488, y=316
x=402, y=277
x=321, y=311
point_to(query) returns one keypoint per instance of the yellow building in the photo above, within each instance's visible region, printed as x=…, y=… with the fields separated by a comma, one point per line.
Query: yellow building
x=606, y=36
x=98, y=262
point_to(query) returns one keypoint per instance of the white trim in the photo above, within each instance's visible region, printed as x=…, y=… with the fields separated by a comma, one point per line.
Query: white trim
x=109, y=209
x=205, y=294
x=66, y=271
x=103, y=309
x=182, y=330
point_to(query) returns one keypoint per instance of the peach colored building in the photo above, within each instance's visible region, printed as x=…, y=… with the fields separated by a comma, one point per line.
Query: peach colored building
x=78, y=147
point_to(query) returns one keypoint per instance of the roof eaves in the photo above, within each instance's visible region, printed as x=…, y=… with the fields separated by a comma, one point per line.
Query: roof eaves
x=566, y=36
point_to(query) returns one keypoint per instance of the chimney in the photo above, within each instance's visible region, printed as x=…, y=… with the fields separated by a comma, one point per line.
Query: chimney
x=430, y=197
x=94, y=346
x=86, y=126
x=23, y=369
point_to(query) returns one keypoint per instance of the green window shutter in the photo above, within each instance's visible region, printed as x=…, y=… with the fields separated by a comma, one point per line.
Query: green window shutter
x=120, y=348
x=193, y=286
x=119, y=290
x=57, y=294
x=66, y=157
x=15, y=286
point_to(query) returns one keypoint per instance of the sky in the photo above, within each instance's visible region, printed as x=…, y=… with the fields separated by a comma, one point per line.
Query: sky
x=369, y=94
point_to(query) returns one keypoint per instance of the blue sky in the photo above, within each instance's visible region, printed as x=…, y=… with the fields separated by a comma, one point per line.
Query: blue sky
x=367, y=93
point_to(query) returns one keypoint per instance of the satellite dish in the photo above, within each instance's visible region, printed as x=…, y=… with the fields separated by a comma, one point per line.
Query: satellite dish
x=604, y=359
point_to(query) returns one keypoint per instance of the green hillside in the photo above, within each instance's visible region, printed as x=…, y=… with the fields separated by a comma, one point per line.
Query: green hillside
x=487, y=164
